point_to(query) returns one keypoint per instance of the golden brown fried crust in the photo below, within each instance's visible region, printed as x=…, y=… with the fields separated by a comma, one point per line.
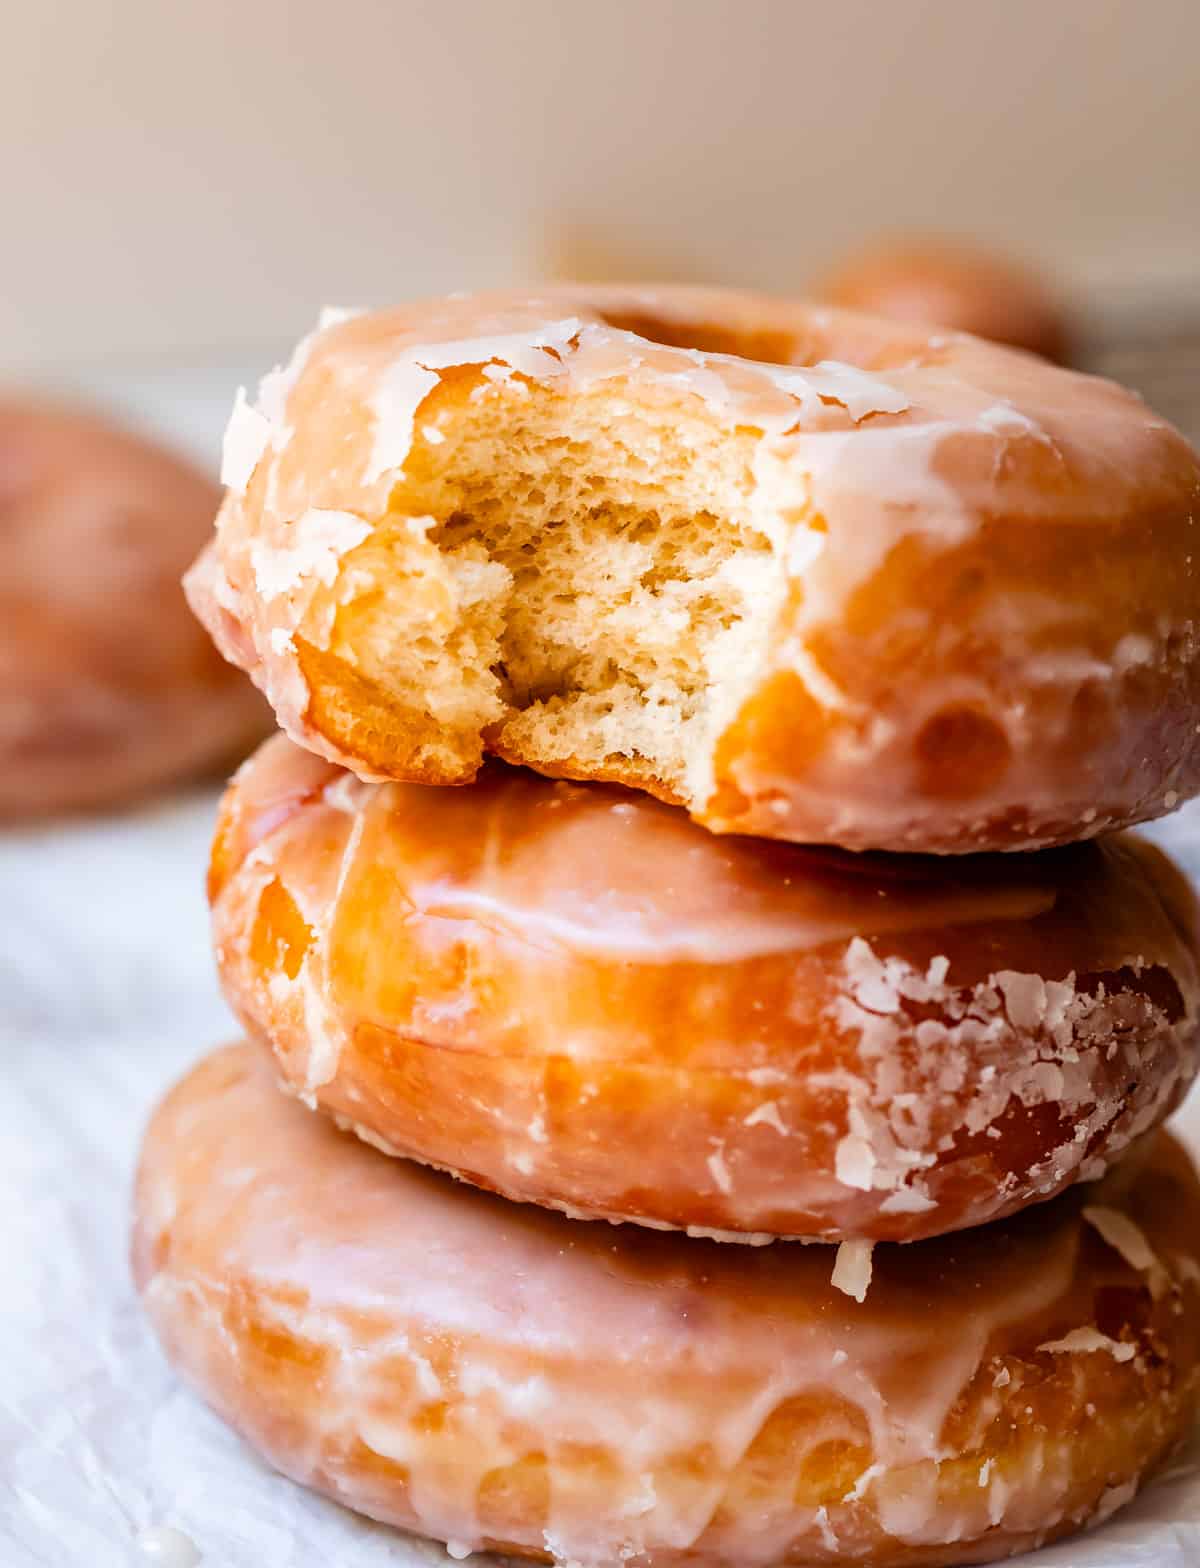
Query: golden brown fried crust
x=490, y=1374
x=575, y=996
x=970, y=622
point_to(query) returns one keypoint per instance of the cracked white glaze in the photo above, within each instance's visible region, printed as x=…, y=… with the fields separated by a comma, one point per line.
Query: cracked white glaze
x=933, y=670
x=484, y=1372
x=621, y=1014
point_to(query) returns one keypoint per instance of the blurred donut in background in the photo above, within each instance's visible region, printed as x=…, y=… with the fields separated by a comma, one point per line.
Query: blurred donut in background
x=952, y=283
x=108, y=687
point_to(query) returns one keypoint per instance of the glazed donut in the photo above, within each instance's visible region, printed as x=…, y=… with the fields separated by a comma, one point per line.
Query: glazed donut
x=495, y=1376
x=108, y=688
x=812, y=575
x=937, y=282
x=574, y=995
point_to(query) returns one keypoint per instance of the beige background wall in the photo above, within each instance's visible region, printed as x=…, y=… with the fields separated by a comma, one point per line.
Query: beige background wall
x=193, y=178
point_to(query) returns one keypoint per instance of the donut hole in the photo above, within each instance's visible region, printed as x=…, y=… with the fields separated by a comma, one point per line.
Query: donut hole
x=591, y=593
x=771, y=345
x=960, y=752
x=852, y=340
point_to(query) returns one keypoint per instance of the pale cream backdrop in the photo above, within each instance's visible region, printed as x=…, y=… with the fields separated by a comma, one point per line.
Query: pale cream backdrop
x=182, y=179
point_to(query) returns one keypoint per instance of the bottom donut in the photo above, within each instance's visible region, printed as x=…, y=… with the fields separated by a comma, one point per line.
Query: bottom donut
x=495, y=1375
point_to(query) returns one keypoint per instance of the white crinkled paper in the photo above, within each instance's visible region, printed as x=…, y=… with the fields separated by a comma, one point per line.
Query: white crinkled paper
x=107, y=995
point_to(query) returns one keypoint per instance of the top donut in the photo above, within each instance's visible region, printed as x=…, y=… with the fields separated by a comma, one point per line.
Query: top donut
x=812, y=575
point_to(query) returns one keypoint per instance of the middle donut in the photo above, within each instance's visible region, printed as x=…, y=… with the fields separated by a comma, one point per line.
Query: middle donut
x=575, y=996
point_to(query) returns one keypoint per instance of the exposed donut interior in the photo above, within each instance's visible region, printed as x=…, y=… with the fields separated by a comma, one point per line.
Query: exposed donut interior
x=612, y=580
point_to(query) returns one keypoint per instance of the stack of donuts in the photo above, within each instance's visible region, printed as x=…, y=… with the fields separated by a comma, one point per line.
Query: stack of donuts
x=710, y=729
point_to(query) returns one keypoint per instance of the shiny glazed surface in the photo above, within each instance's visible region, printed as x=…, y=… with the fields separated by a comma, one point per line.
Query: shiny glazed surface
x=490, y=1374
x=576, y=996
x=982, y=627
